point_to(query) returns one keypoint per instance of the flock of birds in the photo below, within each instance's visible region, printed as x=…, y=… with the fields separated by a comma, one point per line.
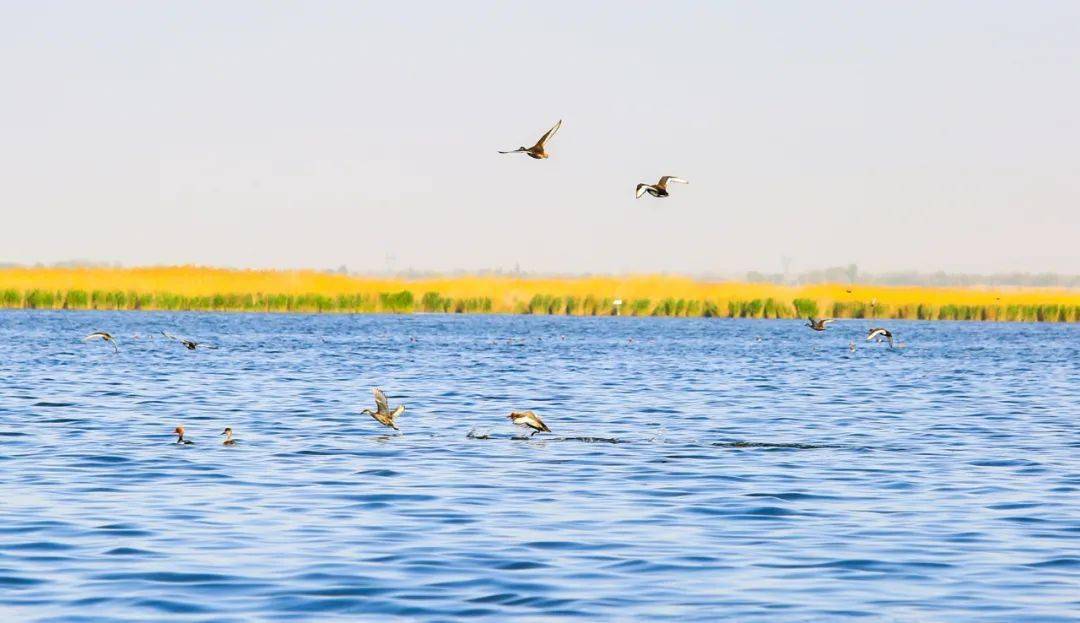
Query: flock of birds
x=538, y=152
x=386, y=416
x=529, y=421
x=382, y=414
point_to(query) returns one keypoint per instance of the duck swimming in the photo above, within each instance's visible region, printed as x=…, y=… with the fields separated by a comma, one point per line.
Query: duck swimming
x=382, y=413
x=530, y=421
x=179, y=432
x=229, y=441
x=537, y=150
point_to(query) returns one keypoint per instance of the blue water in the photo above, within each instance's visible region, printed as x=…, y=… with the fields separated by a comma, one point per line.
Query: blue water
x=698, y=470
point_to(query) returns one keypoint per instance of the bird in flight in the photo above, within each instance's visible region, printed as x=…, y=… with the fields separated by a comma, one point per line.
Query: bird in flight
x=102, y=335
x=658, y=189
x=382, y=413
x=879, y=333
x=537, y=150
x=818, y=325
x=529, y=421
x=179, y=432
x=188, y=344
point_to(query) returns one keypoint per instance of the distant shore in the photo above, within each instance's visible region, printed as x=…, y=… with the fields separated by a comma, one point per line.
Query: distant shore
x=185, y=288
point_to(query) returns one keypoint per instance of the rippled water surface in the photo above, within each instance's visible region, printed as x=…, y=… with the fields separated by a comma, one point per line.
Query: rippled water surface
x=698, y=470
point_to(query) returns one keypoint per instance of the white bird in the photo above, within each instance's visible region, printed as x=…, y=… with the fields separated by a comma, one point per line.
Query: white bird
x=537, y=150
x=658, y=189
x=102, y=335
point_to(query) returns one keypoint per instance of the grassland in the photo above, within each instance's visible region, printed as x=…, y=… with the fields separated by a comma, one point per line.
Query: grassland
x=212, y=289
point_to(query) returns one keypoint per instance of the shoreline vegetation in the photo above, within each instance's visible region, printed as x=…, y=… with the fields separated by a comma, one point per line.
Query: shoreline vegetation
x=189, y=288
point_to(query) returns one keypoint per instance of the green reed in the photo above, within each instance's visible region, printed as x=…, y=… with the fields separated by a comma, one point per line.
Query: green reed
x=405, y=301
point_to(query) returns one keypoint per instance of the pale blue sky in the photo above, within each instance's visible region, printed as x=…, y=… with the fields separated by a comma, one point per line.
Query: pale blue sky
x=914, y=135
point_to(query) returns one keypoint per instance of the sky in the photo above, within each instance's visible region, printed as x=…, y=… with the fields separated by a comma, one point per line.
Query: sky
x=898, y=136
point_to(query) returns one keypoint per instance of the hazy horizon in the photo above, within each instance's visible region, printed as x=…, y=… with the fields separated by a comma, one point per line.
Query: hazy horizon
x=917, y=137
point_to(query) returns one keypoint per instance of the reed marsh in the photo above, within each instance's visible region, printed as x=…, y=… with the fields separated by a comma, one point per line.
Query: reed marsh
x=213, y=289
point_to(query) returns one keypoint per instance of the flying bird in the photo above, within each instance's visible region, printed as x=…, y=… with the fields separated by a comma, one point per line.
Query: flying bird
x=179, y=432
x=658, y=189
x=382, y=412
x=818, y=325
x=229, y=441
x=530, y=421
x=102, y=335
x=537, y=150
x=188, y=344
x=879, y=333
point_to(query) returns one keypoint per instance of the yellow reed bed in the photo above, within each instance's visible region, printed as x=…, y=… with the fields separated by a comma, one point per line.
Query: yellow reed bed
x=202, y=288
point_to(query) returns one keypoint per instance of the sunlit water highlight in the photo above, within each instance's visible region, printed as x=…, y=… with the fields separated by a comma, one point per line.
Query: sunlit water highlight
x=698, y=470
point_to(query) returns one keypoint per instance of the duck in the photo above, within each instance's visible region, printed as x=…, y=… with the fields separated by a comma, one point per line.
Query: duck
x=818, y=325
x=382, y=413
x=104, y=336
x=537, y=150
x=229, y=441
x=658, y=189
x=179, y=432
x=188, y=344
x=528, y=420
x=879, y=333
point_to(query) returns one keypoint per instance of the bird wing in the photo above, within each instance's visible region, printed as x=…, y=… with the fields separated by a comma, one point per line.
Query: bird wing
x=94, y=335
x=670, y=178
x=640, y=190
x=827, y=321
x=874, y=333
x=548, y=134
x=380, y=400
x=514, y=151
x=171, y=337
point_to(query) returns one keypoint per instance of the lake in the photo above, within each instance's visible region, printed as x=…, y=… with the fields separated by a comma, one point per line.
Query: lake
x=697, y=470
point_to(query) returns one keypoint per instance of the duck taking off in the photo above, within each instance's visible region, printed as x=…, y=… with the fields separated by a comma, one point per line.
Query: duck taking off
x=102, y=335
x=537, y=150
x=530, y=421
x=658, y=189
x=188, y=344
x=382, y=413
x=818, y=325
x=179, y=432
x=879, y=333
x=229, y=441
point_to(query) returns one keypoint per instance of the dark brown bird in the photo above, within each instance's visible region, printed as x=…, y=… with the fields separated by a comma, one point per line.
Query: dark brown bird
x=529, y=421
x=537, y=150
x=658, y=189
x=818, y=325
x=188, y=344
x=179, y=432
x=382, y=413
